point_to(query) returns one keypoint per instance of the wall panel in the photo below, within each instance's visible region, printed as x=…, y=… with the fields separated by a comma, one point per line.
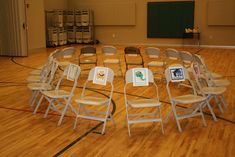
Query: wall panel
x=221, y=12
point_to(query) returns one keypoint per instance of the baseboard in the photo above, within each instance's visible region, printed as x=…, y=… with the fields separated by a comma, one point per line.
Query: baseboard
x=173, y=45
x=218, y=46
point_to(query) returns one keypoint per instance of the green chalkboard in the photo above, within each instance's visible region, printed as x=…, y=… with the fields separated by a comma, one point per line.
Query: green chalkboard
x=169, y=19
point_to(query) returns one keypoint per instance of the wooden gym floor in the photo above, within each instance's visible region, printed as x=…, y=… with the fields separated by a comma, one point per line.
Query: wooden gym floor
x=25, y=134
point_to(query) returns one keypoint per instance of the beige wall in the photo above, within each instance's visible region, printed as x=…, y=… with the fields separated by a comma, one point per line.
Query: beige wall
x=36, y=20
x=55, y=4
x=210, y=35
x=36, y=24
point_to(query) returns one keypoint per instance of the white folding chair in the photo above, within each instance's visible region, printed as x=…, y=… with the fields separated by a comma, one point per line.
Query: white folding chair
x=88, y=55
x=186, y=58
x=96, y=107
x=172, y=54
x=155, y=61
x=44, y=73
x=67, y=56
x=194, y=102
x=45, y=85
x=54, y=97
x=206, y=90
x=111, y=57
x=211, y=78
x=200, y=60
x=133, y=57
x=144, y=105
x=39, y=70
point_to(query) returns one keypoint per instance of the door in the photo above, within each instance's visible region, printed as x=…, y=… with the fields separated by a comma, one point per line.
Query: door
x=13, y=30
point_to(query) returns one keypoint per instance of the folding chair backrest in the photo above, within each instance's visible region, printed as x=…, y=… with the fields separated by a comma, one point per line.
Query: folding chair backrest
x=204, y=73
x=55, y=53
x=132, y=50
x=169, y=78
x=186, y=56
x=88, y=50
x=203, y=68
x=109, y=50
x=129, y=79
x=200, y=61
x=110, y=76
x=71, y=73
x=198, y=75
x=152, y=52
x=68, y=52
x=46, y=69
x=54, y=67
x=168, y=74
x=129, y=76
x=172, y=54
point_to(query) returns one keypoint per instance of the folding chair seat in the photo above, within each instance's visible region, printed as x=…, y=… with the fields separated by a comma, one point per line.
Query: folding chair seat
x=155, y=61
x=211, y=81
x=59, y=95
x=141, y=110
x=194, y=102
x=205, y=89
x=45, y=85
x=133, y=57
x=36, y=72
x=111, y=57
x=88, y=55
x=96, y=107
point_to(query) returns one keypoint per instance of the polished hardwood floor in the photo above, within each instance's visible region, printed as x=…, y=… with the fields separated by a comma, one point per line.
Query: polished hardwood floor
x=25, y=134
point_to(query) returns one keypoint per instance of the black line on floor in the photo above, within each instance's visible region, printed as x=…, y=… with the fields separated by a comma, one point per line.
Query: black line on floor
x=114, y=106
x=77, y=140
x=25, y=66
x=13, y=82
x=198, y=51
x=12, y=85
x=229, y=76
x=92, y=130
x=29, y=111
x=227, y=120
